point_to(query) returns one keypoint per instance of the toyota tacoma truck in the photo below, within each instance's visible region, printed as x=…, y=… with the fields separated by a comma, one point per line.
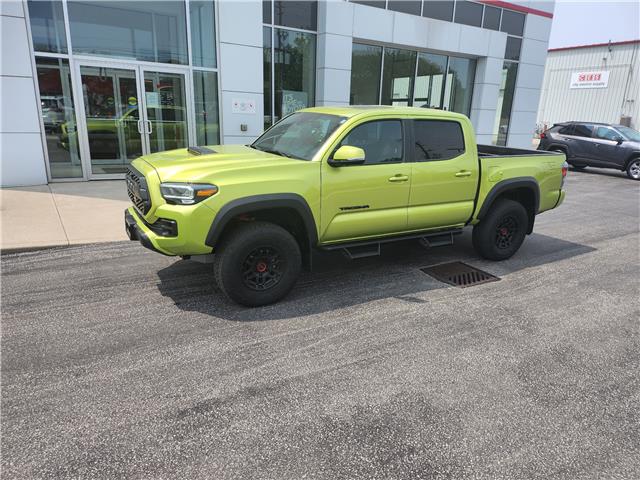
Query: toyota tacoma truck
x=343, y=178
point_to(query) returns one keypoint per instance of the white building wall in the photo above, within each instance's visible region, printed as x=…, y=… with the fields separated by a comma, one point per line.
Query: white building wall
x=21, y=151
x=240, y=67
x=560, y=103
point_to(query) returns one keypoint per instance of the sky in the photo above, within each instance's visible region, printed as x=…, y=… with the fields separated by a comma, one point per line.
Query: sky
x=586, y=22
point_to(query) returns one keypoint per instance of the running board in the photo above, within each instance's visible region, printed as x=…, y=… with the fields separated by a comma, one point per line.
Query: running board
x=370, y=248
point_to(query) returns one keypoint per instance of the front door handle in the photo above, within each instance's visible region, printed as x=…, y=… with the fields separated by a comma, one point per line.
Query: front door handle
x=464, y=173
x=399, y=178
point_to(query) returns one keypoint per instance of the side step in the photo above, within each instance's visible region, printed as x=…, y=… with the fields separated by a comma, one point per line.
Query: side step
x=443, y=240
x=371, y=250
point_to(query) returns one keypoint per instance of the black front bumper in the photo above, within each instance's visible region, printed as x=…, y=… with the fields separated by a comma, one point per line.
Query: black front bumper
x=136, y=234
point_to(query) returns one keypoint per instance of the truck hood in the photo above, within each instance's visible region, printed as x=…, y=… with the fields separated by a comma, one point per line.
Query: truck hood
x=183, y=166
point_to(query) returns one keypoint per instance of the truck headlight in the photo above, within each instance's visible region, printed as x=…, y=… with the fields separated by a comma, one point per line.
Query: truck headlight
x=186, y=193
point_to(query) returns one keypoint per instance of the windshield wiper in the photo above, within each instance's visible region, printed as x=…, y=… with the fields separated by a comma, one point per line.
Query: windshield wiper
x=275, y=152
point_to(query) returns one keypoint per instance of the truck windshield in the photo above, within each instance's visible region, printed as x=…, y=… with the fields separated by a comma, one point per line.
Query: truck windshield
x=299, y=135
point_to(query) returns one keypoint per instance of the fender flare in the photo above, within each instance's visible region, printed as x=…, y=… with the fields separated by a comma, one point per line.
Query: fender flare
x=560, y=146
x=255, y=203
x=529, y=183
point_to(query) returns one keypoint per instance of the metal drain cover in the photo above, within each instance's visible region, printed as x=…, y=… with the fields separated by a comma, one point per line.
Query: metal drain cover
x=459, y=274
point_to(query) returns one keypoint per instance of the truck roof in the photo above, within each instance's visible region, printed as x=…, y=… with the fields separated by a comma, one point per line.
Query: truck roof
x=352, y=110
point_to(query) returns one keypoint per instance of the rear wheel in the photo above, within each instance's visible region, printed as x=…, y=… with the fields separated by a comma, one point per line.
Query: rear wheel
x=258, y=263
x=501, y=232
x=633, y=169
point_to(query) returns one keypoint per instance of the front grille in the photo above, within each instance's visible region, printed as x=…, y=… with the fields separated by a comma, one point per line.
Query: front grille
x=137, y=190
x=459, y=274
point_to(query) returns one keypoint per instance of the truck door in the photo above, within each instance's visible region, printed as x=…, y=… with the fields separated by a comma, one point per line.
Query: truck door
x=370, y=199
x=444, y=175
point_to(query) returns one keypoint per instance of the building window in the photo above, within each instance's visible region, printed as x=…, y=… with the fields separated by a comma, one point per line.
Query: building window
x=512, y=51
x=397, y=77
x=205, y=93
x=365, y=74
x=440, y=10
x=512, y=22
x=372, y=3
x=491, y=19
x=47, y=27
x=410, y=78
x=459, y=89
x=154, y=31
x=410, y=6
x=430, y=79
x=59, y=118
x=505, y=102
x=289, y=59
x=203, y=33
x=468, y=13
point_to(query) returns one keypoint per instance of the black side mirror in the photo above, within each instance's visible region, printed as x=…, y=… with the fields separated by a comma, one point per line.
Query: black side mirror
x=618, y=139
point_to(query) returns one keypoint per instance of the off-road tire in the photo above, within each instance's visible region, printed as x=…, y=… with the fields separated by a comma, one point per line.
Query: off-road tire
x=501, y=232
x=271, y=252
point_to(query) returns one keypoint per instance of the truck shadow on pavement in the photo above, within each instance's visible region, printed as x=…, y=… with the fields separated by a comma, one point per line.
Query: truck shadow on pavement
x=337, y=282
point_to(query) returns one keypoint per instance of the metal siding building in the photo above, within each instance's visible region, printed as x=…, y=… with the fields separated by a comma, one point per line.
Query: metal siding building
x=559, y=102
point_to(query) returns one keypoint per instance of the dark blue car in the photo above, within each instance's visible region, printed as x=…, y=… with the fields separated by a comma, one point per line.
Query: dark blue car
x=588, y=144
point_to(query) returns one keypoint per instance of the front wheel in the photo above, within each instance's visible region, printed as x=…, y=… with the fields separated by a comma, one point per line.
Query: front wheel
x=500, y=234
x=633, y=169
x=258, y=263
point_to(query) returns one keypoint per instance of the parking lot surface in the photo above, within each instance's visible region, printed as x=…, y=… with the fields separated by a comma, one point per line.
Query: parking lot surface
x=118, y=362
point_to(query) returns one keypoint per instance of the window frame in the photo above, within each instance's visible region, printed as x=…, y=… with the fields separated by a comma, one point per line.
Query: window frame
x=405, y=130
x=431, y=119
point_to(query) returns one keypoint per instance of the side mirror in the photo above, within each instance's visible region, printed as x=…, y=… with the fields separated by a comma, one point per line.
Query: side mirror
x=618, y=139
x=346, y=156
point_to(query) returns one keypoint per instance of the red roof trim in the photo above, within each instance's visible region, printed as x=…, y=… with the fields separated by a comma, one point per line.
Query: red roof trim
x=517, y=8
x=626, y=42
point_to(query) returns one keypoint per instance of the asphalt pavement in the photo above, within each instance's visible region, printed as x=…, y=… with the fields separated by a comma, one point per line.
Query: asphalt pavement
x=121, y=363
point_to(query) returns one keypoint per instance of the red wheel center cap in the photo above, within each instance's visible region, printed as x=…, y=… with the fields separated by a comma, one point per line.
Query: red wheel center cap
x=261, y=267
x=504, y=231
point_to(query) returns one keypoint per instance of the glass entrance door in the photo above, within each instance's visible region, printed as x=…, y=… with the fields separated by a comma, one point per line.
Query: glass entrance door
x=129, y=112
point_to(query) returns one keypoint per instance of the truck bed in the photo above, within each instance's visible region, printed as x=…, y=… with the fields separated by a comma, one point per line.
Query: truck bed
x=498, y=151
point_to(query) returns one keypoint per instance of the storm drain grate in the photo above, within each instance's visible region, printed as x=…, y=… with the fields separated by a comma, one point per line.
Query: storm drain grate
x=459, y=274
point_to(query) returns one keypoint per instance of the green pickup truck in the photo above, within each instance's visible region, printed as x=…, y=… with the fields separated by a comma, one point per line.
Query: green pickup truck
x=347, y=178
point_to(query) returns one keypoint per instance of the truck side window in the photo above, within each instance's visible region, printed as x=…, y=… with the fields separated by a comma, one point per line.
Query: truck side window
x=381, y=141
x=437, y=140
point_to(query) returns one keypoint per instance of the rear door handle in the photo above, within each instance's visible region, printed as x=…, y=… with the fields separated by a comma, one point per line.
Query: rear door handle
x=464, y=173
x=399, y=178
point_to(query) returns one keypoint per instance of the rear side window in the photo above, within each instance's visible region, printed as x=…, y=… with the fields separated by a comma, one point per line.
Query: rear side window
x=437, y=140
x=580, y=130
x=381, y=141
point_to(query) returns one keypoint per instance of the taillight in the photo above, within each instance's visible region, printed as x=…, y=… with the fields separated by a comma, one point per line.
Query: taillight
x=543, y=135
x=565, y=169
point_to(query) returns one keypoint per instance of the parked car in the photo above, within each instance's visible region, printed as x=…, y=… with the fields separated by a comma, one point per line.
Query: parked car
x=342, y=178
x=595, y=145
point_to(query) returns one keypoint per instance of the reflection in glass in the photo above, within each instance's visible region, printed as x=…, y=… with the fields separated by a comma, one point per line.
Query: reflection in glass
x=365, y=74
x=460, y=85
x=111, y=109
x=166, y=110
x=505, y=101
x=54, y=83
x=47, y=27
x=294, y=70
x=153, y=31
x=430, y=80
x=203, y=33
x=205, y=92
x=397, y=77
x=296, y=14
x=266, y=75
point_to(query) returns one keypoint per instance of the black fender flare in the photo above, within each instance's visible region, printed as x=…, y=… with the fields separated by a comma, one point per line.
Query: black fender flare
x=256, y=203
x=632, y=156
x=504, y=186
x=560, y=146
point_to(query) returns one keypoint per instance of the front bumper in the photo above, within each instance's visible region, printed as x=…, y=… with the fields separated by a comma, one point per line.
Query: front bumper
x=135, y=233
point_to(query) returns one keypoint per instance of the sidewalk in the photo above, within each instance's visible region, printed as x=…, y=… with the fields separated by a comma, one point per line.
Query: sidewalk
x=61, y=214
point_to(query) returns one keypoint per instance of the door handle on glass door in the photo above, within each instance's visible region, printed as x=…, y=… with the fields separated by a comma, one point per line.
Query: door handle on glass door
x=463, y=173
x=150, y=127
x=139, y=127
x=399, y=178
